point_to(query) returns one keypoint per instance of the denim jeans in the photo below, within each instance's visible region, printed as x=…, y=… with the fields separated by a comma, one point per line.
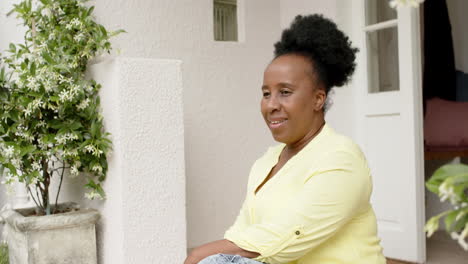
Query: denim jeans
x=226, y=259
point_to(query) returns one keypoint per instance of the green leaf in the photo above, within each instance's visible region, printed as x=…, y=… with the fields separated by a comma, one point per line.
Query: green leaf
x=449, y=170
x=10, y=167
x=103, y=30
x=460, y=224
x=27, y=149
x=32, y=69
x=444, y=172
x=90, y=10
x=95, y=129
x=117, y=32
x=75, y=125
x=433, y=187
x=48, y=58
x=12, y=48
x=449, y=219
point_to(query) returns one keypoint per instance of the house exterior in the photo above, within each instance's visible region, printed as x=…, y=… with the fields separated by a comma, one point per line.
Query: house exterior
x=183, y=110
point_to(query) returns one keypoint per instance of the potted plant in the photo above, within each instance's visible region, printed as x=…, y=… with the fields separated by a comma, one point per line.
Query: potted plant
x=50, y=125
x=450, y=182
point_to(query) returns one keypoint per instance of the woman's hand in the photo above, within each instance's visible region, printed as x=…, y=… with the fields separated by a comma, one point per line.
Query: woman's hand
x=215, y=247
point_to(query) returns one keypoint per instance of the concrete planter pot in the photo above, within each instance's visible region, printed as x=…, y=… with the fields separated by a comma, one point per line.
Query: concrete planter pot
x=66, y=238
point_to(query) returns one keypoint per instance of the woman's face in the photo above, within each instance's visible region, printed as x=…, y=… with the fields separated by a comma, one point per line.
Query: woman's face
x=292, y=100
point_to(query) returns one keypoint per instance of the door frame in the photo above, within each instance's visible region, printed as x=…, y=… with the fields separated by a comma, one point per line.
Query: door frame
x=409, y=49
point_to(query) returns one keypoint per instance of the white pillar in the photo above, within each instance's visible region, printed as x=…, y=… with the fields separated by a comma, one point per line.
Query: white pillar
x=143, y=218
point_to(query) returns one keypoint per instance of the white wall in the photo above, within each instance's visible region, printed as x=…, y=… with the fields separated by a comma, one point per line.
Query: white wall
x=10, y=31
x=459, y=20
x=144, y=216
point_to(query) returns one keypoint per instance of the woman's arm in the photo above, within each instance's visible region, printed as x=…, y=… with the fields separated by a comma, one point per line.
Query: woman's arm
x=215, y=247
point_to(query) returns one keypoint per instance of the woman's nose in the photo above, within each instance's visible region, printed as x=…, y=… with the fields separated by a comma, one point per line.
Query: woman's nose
x=273, y=103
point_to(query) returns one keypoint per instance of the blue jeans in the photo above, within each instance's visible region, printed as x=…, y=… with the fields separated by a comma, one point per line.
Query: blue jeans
x=226, y=259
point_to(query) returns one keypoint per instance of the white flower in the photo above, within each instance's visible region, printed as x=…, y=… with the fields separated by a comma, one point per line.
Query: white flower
x=46, y=12
x=79, y=37
x=64, y=138
x=8, y=178
x=446, y=191
x=33, y=84
x=41, y=123
x=33, y=106
x=75, y=22
x=33, y=181
x=19, y=82
x=401, y=3
x=83, y=104
x=70, y=153
x=461, y=237
x=65, y=95
x=92, y=149
x=27, y=112
x=92, y=195
x=431, y=226
x=97, y=168
x=9, y=151
x=48, y=85
x=74, y=170
x=74, y=64
x=16, y=162
x=36, y=166
x=89, y=88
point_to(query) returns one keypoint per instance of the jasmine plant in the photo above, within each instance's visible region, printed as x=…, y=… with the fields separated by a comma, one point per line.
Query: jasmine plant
x=50, y=120
x=450, y=183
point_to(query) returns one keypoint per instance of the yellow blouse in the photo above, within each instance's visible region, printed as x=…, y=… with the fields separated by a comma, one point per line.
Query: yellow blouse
x=314, y=210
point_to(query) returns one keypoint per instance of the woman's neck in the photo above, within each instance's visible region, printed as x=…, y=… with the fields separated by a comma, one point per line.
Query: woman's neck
x=297, y=146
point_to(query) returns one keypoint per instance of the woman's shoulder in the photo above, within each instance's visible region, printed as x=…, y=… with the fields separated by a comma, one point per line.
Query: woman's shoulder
x=335, y=142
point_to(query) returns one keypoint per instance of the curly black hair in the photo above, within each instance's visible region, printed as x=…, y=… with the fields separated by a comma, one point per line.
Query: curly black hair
x=327, y=48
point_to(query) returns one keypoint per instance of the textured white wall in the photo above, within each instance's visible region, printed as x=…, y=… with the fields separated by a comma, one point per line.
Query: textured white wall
x=292, y=8
x=459, y=20
x=10, y=30
x=144, y=218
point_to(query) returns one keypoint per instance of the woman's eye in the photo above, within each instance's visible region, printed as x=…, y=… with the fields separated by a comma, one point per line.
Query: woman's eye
x=265, y=94
x=285, y=92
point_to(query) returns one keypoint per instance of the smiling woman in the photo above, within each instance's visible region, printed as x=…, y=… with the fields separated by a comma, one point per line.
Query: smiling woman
x=308, y=197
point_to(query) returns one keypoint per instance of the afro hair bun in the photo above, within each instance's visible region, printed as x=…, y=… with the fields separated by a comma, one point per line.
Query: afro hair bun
x=320, y=40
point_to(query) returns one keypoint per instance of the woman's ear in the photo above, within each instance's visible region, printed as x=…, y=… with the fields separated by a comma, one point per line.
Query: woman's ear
x=320, y=98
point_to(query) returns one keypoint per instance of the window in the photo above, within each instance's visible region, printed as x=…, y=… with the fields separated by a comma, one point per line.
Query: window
x=225, y=20
x=382, y=46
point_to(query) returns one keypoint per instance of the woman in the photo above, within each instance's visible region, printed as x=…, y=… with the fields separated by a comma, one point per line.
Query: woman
x=307, y=198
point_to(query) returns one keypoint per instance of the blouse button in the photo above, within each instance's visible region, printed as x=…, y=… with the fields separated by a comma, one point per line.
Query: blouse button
x=298, y=233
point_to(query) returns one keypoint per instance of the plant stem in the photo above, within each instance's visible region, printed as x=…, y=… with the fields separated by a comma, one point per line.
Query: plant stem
x=60, y=186
x=45, y=191
x=34, y=199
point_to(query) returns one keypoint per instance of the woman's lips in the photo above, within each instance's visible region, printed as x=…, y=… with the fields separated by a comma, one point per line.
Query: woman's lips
x=275, y=124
